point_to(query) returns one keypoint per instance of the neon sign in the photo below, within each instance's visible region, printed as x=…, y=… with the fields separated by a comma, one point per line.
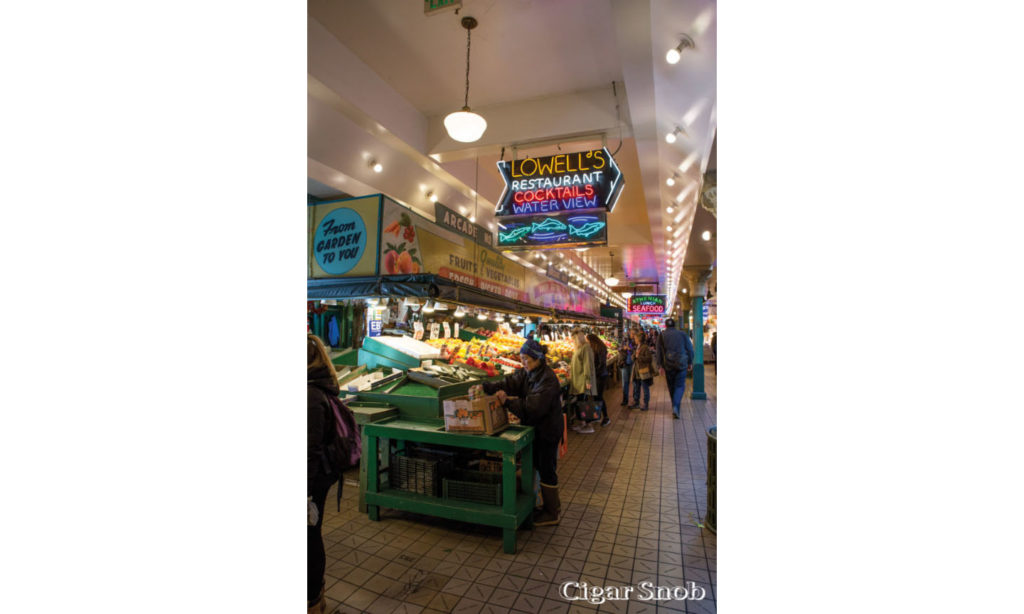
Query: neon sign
x=647, y=303
x=578, y=181
x=559, y=230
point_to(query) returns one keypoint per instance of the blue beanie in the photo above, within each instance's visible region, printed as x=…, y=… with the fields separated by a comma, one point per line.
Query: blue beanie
x=533, y=349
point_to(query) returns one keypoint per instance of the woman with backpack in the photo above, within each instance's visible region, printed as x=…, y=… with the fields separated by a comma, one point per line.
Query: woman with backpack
x=643, y=372
x=321, y=383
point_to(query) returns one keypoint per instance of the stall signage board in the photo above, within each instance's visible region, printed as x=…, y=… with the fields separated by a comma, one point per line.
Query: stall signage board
x=554, y=273
x=413, y=244
x=374, y=322
x=647, y=303
x=559, y=230
x=343, y=237
x=567, y=182
x=459, y=223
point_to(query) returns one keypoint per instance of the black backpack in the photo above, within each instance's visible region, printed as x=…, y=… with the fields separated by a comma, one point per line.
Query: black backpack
x=344, y=446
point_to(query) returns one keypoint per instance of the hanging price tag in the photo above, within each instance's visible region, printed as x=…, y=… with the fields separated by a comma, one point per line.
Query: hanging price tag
x=417, y=328
x=447, y=330
x=456, y=329
x=435, y=328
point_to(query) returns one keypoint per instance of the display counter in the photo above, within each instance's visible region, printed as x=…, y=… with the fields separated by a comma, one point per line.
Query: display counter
x=516, y=507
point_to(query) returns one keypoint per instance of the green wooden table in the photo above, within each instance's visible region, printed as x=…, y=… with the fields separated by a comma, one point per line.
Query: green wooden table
x=516, y=508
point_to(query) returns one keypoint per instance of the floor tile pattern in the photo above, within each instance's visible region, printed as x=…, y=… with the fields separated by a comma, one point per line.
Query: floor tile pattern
x=633, y=502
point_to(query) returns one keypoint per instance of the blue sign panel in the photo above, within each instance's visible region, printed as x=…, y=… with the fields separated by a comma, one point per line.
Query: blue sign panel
x=340, y=241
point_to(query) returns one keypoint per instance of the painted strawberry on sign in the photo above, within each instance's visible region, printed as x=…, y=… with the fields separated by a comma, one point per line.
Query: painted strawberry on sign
x=401, y=257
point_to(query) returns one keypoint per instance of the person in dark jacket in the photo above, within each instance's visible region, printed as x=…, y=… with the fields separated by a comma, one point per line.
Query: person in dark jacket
x=601, y=370
x=534, y=396
x=321, y=382
x=627, y=349
x=675, y=354
x=643, y=372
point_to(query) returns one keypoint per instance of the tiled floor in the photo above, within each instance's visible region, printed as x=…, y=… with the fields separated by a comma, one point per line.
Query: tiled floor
x=633, y=494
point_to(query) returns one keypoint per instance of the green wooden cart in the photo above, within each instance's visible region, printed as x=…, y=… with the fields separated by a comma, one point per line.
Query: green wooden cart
x=516, y=508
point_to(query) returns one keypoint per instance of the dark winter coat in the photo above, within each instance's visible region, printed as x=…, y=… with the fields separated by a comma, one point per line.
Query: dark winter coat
x=319, y=425
x=538, y=401
x=674, y=342
x=601, y=361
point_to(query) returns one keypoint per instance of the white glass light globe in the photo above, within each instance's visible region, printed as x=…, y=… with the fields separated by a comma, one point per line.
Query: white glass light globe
x=670, y=137
x=672, y=56
x=611, y=281
x=465, y=126
x=706, y=235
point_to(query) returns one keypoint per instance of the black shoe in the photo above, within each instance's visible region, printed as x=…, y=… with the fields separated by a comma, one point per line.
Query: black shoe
x=645, y=409
x=675, y=416
x=624, y=403
x=606, y=422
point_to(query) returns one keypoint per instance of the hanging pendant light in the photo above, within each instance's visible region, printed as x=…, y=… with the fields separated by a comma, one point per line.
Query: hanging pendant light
x=466, y=126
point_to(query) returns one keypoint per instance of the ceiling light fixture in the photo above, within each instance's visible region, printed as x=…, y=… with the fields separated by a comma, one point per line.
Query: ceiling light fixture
x=706, y=235
x=669, y=210
x=671, y=181
x=429, y=307
x=466, y=126
x=432, y=197
x=481, y=315
x=376, y=166
x=460, y=312
x=472, y=219
x=673, y=55
x=671, y=136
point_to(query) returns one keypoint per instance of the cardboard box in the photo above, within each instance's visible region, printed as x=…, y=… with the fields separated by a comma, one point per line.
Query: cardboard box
x=484, y=415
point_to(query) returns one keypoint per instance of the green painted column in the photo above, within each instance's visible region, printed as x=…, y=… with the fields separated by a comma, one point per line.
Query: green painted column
x=698, y=349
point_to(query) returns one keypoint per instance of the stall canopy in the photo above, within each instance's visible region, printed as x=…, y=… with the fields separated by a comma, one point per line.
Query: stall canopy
x=430, y=286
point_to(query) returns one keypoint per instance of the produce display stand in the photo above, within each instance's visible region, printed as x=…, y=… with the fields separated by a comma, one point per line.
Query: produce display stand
x=368, y=413
x=516, y=508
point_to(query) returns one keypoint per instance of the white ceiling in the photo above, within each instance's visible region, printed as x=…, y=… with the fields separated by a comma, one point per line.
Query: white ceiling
x=382, y=75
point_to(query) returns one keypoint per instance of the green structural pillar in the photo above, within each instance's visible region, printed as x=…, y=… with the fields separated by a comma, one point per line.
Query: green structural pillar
x=698, y=348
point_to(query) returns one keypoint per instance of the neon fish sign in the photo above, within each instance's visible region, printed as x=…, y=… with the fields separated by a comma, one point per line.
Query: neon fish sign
x=561, y=230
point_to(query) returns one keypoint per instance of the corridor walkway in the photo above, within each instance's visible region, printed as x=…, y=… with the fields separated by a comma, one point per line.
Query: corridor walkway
x=633, y=499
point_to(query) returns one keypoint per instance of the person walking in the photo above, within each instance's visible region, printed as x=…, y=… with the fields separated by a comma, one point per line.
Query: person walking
x=643, y=372
x=674, y=356
x=601, y=371
x=321, y=382
x=582, y=378
x=533, y=394
x=627, y=349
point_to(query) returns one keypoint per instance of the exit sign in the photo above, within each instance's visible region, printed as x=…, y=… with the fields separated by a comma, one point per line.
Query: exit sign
x=435, y=6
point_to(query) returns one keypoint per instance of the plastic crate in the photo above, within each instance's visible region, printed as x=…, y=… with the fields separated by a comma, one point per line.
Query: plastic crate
x=419, y=471
x=474, y=486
